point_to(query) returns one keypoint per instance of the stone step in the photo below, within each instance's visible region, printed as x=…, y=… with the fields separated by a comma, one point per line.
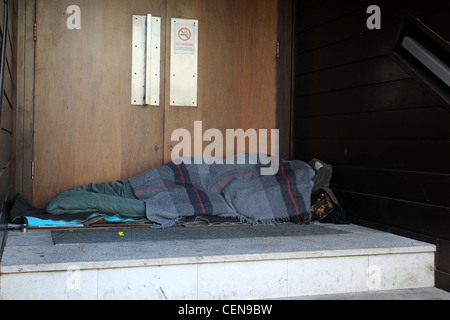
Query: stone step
x=300, y=261
x=389, y=295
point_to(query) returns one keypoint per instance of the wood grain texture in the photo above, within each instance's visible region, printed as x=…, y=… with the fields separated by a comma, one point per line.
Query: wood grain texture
x=85, y=127
x=237, y=66
x=382, y=128
x=8, y=98
x=285, y=76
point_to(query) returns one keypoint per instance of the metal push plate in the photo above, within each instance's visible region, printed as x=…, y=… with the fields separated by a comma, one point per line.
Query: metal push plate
x=184, y=63
x=146, y=60
x=138, y=60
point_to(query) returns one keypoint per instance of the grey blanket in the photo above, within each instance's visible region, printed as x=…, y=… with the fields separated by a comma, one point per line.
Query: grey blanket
x=235, y=190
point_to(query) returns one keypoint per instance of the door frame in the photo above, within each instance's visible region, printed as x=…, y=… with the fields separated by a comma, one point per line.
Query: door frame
x=24, y=130
x=285, y=76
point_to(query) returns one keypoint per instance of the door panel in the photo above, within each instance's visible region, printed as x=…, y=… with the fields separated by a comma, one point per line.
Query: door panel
x=85, y=127
x=86, y=130
x=237, y=66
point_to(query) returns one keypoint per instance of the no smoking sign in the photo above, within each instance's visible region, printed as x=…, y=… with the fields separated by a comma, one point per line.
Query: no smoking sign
x=184, y=34
x=184, y=38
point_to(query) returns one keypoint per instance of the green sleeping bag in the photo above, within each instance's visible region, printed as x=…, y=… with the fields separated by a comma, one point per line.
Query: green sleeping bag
x=111, y=197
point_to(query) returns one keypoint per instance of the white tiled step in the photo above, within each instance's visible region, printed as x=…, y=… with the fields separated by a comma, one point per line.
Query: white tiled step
x=362, y=260
x=401, y=294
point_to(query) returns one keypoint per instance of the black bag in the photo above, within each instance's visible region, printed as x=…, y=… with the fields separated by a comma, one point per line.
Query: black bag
x=325, y=207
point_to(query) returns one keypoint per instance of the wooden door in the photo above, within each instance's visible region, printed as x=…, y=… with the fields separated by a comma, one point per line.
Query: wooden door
x=237, y=66
x=86, y=129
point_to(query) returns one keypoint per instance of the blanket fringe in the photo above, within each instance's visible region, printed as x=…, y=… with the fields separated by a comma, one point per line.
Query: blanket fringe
x=258, y=222
x=239, y=217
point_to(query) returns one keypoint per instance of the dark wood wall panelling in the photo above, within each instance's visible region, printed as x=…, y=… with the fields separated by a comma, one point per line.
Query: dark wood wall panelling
x=7, y=118
x=387, y=135
x=285, y=74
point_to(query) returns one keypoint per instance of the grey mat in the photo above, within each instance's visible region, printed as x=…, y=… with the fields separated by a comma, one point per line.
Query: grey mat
x=182, y=233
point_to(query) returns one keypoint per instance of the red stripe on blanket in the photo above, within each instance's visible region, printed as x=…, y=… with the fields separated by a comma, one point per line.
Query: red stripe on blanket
x=232, y=177
x=152, y=187
x=181, y=174
x=290, y=194
x=196, y=192
x=199, y=199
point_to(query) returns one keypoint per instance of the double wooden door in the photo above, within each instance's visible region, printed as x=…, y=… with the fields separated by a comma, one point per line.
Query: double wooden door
x=85, y=128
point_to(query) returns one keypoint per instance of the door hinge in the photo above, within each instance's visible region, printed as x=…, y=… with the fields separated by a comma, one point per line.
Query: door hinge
x=35, y=31
x=278, y=49
x=32, y=170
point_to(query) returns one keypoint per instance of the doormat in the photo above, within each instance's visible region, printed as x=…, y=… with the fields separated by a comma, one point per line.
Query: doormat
x=182, y=233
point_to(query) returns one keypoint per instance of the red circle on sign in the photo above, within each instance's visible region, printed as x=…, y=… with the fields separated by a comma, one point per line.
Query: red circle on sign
x=184, y=34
